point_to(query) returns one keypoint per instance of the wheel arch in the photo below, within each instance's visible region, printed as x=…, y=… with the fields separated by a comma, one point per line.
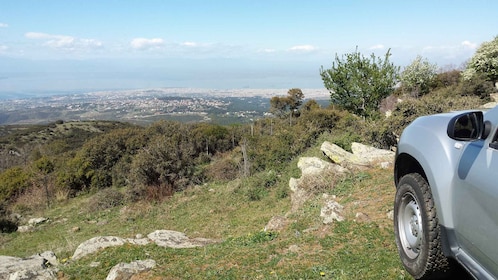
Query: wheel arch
x=406, y=164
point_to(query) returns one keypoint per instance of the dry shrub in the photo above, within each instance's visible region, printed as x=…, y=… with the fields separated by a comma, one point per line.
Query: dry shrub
x=33, y=199
x=149, y=193
x=320, y=183
x=105, y=199
x=223, y=168
x=62, y=195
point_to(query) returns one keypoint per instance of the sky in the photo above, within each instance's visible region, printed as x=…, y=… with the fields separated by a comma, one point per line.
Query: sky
x=60, y=46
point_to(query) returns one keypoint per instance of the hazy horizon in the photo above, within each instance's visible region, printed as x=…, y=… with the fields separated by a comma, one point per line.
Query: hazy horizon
x=72, y=46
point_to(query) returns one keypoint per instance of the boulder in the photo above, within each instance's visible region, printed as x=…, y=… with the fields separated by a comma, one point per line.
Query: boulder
x=95, y=244
x=125, y=271
x=314, y=166
x=376, y=157
x=362, y=156
x=41, y=267
x=342, y=157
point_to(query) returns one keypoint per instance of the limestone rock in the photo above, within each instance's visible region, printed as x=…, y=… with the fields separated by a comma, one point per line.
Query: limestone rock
x=276, y=223
x=331, y=211
x=310, y=167
x=299, y=195
x=125, y=271
x=41, y=267
x=343, y=157
x=37, y=221
x=175, y=239
x=374, y=156
x=314, y=166
x=23, y=229
x=95, y=244
x=362, y=156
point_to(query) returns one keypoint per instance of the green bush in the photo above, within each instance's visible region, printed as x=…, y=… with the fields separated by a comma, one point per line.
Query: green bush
x=13, y=181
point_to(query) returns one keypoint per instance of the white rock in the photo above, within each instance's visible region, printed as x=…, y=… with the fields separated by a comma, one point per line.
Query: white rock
x=124, y=271
x=37, y=221
x=331, y=211
x=175, y=239
x=95, y=244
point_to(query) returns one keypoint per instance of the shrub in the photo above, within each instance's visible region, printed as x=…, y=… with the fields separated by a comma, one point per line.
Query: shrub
x=7, y=226
x=13, y=181
x=105, y=199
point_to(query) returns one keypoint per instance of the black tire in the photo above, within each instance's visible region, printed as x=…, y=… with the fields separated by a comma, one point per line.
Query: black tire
x=417, y=230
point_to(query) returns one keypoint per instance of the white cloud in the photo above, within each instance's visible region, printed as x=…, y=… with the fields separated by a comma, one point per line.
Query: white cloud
x=146, y=44
x=469, y=45
x=189, y=44
x=3, y=48
x=64, y=42
x=377, y=47
x=303, y=48
x=3, y=25
x=267, y=51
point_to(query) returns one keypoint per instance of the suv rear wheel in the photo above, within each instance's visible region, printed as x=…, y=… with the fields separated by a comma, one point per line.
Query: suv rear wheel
x=417, y=229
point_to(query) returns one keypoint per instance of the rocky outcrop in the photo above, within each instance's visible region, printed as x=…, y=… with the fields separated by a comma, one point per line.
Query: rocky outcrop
x=44, y=266
x=162, y=238
x=340, y=162
x=40, y=267
x=362, y=156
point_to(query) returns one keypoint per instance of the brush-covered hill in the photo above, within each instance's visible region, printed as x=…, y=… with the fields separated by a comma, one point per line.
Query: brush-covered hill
x=210, y=181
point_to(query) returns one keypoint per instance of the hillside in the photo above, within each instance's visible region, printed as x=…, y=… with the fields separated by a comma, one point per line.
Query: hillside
x=223, y=183
x=356, y=248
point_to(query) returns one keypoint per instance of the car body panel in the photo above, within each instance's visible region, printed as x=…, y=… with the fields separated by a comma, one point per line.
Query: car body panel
x=463, y=177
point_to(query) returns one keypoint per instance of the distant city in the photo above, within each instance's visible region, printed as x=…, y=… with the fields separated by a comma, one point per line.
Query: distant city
x=143, y=106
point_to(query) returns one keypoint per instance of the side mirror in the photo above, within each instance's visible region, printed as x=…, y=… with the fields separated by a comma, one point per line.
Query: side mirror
x=468, y=127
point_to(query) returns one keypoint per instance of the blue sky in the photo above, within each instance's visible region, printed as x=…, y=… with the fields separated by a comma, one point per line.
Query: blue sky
x=71, y=45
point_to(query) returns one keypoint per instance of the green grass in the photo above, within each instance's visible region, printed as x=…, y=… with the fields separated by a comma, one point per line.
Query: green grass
x=304, y=249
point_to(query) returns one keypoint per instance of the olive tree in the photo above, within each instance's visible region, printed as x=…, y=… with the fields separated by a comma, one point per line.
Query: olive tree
x=358, y=83
x=418, y=77
x=484, y=62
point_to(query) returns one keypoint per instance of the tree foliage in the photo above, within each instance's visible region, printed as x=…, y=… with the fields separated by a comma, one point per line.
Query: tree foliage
x=418, y=77
x=279, y=105
x=358, y=83
x=13, y=181
x=484, y=61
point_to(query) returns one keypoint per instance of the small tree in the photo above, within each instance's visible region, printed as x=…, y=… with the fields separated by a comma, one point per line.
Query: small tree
x=279, y=105
x=485, y=61
x=418, y=77
x=295, y=98
x=359, y=83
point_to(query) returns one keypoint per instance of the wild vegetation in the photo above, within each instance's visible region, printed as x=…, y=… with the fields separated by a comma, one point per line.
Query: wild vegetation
x=225, y=182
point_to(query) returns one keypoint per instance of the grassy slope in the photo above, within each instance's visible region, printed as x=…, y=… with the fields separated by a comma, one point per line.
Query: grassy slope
x=305, y=249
